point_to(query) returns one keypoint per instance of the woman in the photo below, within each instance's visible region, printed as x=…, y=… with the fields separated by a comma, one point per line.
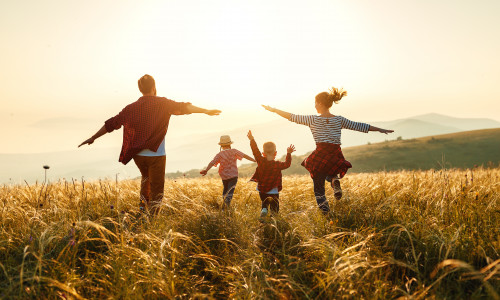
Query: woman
x=326, y=163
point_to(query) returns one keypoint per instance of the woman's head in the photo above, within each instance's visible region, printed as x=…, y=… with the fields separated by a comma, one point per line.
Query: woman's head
x=333, y=95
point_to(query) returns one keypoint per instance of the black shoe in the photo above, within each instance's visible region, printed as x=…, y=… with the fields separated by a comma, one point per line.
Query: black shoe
x=337, y=190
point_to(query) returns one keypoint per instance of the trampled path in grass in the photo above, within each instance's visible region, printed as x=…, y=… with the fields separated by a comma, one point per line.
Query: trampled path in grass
x=410, y=234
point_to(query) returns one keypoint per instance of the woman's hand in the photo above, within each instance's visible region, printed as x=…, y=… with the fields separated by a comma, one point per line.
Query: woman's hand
x=269, y=108
x=283, y=114
x=386, y=131
x=290, y=149
x=203, y=172
x=212, y=112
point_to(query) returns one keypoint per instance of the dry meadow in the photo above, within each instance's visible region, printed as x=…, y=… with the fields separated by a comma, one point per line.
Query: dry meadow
x=410, y=235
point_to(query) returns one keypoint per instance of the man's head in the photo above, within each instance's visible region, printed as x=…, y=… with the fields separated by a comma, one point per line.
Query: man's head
x=269, y=150
x=147, y=85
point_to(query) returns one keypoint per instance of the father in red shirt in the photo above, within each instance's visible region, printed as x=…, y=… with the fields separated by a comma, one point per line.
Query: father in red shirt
x=145, y=123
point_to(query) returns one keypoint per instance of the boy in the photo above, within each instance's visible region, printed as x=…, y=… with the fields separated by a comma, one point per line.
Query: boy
x=268, y=174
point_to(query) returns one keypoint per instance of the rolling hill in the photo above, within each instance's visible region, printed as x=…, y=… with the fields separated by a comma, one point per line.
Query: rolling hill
x=458, y=150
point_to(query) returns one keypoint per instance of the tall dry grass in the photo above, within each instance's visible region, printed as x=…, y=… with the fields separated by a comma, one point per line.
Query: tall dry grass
x=415, y=235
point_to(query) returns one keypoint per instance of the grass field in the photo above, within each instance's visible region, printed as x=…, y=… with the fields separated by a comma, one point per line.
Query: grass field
x=414, y=235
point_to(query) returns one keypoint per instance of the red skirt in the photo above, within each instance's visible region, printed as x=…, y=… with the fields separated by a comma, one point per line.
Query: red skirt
x=327, y=159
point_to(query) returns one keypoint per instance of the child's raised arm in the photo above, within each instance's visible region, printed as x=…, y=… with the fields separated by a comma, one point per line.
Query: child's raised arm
x=286, y=164
x=255, y=150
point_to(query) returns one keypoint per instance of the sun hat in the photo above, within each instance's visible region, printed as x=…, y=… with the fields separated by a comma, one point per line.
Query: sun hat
x=225, y=140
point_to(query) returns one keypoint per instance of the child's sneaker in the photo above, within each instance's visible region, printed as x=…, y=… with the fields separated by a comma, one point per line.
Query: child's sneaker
x=263, y=215
x=337, y=190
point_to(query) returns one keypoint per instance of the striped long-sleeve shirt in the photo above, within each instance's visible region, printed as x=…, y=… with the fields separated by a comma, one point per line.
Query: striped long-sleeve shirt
x=227, y=160
x=327, y=129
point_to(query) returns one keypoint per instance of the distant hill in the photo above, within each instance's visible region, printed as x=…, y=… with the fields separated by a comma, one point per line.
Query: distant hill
x=459, y=150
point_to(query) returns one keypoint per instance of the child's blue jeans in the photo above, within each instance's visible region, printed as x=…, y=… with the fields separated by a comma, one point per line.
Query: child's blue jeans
x=229, y=186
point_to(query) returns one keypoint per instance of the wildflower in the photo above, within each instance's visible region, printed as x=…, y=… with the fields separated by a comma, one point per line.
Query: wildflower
x=41, y=204
x=46, y=167
x=74, y=224
x=111, y=206
x=123, y=212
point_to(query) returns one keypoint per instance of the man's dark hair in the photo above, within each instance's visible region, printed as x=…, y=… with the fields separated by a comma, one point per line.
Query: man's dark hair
x=146, y=84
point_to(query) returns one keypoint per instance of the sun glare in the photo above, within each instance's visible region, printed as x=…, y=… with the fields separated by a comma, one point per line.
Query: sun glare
x=240, y=56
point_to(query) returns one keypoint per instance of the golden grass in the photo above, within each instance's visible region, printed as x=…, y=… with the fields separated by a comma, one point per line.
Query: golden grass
x=430, y=234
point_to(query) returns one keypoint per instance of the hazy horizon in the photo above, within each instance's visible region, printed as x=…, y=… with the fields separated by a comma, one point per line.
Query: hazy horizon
x=177, y=133
x=194, y=151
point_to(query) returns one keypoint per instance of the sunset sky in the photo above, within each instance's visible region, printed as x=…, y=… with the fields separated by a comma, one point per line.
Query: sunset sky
x=67, y=66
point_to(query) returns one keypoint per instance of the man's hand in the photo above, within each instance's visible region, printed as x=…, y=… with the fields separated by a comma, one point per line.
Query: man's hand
x=290, y=149
x=88, y=142
x=212, y=112
x=203, y=172
x=249, y=135
x=386, y=131
x=269, y=108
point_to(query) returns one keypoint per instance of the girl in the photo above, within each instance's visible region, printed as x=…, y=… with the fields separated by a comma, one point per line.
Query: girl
x=228, y=170
x=326, y=163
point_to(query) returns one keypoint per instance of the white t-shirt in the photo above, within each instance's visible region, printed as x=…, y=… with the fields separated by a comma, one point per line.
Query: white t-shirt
x=159, y=152
x=274, y=191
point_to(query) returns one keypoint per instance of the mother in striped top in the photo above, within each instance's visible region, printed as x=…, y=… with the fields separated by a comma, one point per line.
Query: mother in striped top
x=326, y=163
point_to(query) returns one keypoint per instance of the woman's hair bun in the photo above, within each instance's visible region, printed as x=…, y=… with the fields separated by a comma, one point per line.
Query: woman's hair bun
x=335, y=94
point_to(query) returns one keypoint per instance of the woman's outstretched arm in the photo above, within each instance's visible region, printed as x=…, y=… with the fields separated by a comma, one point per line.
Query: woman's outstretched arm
x=284, y=114
x=386, y=131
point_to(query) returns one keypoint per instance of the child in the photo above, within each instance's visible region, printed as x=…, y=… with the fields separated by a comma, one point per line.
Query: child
x=326, y=162
x=268, y=174
x=228, y=170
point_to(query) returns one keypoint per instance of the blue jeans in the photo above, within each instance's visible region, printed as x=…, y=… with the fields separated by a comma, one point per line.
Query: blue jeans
x=229, y=186
x=319, y=191
x=271, y=201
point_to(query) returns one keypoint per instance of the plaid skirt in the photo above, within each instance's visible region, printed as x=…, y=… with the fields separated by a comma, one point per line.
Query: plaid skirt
x=327, y=159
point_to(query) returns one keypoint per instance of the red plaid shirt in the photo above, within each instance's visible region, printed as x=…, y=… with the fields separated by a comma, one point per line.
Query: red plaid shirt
x=145, y=124
x=327, y=159
x=268, y=172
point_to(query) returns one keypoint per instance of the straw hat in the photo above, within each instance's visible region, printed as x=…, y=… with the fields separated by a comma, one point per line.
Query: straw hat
x=225, y=140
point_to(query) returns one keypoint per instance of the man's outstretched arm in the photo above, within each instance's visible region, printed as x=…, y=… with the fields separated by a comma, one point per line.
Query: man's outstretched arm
x=98, y=134
x=195, y=109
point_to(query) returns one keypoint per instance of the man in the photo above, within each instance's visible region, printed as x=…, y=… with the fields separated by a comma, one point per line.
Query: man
x=145, y=123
